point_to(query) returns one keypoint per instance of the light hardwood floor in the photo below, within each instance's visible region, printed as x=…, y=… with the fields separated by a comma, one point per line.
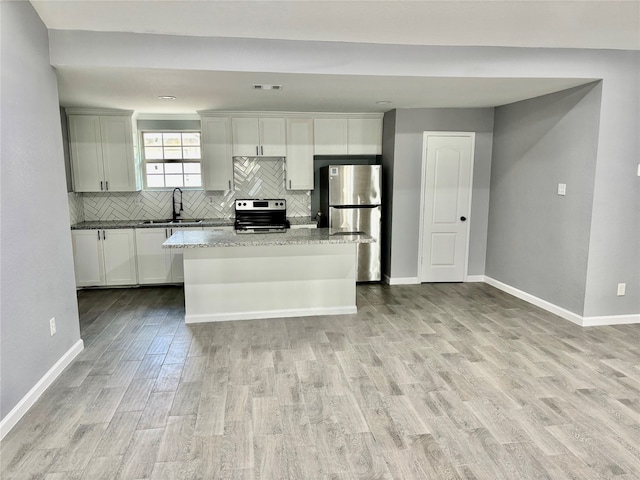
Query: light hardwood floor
x=432, y=381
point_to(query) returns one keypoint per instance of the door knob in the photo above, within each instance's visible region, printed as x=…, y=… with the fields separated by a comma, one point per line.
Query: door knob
x=464, y=219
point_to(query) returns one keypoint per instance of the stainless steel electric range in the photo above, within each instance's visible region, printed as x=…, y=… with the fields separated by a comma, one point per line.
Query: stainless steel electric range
x=261, y=215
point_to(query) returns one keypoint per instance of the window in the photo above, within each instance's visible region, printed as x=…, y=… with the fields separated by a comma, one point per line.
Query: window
x=172, y=159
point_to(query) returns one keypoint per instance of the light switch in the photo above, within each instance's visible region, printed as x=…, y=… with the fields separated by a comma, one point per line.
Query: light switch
x=562, y=189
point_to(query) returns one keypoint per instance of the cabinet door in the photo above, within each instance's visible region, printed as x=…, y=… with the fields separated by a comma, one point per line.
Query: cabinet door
x=117, y=154
x=88, y=257
x=86, y=153
x=154, y=262
x=177, y=265
x=299, y=160
x=246, y=141
x=272, y=137
x=330, y=136
x=306, y=225
x=364, y=136
x=218, y=229
x=217, y=158
x=119, y=257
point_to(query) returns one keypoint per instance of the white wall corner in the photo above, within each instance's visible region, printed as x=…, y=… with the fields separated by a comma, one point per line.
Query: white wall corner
x=12, y=418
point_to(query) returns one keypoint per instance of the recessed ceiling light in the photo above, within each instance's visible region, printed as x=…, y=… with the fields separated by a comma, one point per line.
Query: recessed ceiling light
x=263, y=86
x=383, y=102
x=166, y=97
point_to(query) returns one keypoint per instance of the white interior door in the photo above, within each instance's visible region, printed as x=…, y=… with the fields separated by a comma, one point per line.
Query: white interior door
x=446, y=202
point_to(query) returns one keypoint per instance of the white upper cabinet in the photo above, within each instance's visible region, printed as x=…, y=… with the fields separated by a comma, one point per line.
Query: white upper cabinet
x=102, y=154
x=364, y=136
x=348, y=136
x=330, y=136
x=259, y=137
x=217, y=157
x=299, y=159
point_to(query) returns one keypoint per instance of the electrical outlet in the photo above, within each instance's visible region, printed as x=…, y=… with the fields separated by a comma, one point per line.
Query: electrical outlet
x=562, y=189
x=52, y=326
x=622, y=289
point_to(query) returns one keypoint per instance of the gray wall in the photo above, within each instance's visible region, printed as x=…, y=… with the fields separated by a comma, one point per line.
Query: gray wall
x=406, y=162
x=37, y=279
x=538, y=241
x=614, y=244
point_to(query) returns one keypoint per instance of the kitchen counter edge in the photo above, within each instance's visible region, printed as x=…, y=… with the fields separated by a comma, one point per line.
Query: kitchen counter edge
x=303, y=236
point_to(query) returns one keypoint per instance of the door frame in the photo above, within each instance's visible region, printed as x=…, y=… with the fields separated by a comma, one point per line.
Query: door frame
x=423, y=182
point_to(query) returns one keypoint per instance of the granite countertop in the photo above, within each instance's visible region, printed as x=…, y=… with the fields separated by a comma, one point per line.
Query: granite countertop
x=207, y=222
x=303, y=236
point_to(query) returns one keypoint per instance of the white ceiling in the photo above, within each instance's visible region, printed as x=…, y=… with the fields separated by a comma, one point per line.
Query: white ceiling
x=520, y=23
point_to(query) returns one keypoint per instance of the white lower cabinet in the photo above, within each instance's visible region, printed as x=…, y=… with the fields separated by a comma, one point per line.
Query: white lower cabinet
x=219, y=229
x=157, y=264
x=304, y=225
x=104, y=257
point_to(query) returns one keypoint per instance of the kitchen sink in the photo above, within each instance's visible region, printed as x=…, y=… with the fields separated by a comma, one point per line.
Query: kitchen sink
x=170, y=221
x=187, y=220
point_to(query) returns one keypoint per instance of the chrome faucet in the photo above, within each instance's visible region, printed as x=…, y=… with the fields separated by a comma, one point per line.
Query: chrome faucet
x=176, y=214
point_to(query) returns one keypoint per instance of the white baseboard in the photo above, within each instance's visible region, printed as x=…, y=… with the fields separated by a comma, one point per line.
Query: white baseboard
x=401, y=280
x=538, y=302
x=562, y=312
x=10, y=420
x=415, y=281
x=610, y=320
x=302, y=312
x=474, y=278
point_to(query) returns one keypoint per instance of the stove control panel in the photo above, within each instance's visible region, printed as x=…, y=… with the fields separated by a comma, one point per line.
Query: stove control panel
x=252, y=204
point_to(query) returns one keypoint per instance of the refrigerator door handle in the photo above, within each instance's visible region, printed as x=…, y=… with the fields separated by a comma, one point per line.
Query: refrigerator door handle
x=350, y=207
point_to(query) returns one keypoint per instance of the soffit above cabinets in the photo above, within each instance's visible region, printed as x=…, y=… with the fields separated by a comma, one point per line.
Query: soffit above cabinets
x=604, y=24
x=129, y=88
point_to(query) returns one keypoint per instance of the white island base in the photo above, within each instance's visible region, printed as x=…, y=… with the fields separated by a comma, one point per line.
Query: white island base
x=269, y=281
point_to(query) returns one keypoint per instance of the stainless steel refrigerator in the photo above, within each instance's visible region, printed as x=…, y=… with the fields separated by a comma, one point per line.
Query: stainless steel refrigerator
x=350, y=201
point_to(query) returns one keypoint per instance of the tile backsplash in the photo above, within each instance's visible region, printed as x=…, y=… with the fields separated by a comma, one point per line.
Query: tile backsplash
x=76, y=211
x=253, y=177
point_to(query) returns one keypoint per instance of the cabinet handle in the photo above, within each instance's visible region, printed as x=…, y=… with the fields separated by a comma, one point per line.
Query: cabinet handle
x=101, y=186
x=98, y=234
x=104, y=234
x=229, y=184
x=257, y=151
x=261, y=150
x=106, y=185
x=289, y=184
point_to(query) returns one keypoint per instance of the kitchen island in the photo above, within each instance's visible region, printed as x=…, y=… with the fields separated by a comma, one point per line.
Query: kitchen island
x=302, y=272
